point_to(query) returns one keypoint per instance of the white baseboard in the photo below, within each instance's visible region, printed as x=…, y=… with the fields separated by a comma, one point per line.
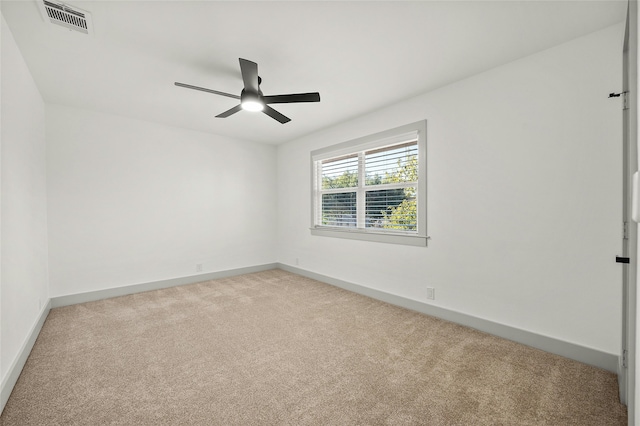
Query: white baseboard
x=573, y=351
x=92, y=296
x=16, y=366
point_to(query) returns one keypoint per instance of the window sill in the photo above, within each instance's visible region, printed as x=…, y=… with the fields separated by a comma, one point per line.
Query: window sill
x=409, y=240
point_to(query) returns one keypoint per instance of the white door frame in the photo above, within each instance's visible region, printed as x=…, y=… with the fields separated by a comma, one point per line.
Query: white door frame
x=627, y=367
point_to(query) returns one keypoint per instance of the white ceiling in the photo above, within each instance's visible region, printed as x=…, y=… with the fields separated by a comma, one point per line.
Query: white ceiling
x=360, y=56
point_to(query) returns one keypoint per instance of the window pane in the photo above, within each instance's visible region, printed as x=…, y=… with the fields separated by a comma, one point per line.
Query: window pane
x=391, y=209
x=392, y=164
x=340, y=172
x=339, y=209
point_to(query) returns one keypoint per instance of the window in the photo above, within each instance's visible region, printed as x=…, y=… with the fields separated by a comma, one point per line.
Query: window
x=373, y=188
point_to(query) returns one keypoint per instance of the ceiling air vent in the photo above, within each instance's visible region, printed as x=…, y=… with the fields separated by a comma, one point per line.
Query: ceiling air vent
x=66, y=16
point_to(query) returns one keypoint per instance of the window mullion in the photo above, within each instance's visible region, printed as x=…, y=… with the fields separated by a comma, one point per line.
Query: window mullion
x=392, y=186
x=360, y=198
x=318, y=193
x=337, y=190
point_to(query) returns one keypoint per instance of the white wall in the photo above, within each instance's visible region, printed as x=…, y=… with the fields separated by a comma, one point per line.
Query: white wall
x=23, y=279
x=524, y=197
x=133, y=201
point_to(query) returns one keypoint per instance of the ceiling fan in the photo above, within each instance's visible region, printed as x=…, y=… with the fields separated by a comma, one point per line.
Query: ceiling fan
x=251, y=97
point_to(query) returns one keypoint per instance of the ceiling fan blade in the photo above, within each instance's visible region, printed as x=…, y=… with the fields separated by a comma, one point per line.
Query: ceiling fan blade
x=215, y=92
x=249, y=75
x=296, y=97
x=275, y=114
x=229, y=111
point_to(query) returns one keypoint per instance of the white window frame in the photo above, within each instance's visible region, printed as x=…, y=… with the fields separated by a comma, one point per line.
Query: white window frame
x=417, y=130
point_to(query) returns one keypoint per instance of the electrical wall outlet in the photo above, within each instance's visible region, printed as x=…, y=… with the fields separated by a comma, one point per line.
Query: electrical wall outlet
x=297, y=261
x=198, y=267
x=431, y=293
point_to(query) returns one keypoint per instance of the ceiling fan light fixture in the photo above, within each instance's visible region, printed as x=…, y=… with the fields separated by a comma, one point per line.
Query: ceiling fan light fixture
x=252, y=105
x=250, y=101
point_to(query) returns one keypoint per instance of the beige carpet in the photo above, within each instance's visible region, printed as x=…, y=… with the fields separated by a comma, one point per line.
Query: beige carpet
x=274, y=348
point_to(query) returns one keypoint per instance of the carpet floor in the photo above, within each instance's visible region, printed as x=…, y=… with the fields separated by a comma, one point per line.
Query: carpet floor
x=275, y=348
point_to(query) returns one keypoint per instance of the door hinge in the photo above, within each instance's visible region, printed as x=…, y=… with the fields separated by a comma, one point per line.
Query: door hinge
x=624, y=358
x=625, y=230
x=625, y=98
